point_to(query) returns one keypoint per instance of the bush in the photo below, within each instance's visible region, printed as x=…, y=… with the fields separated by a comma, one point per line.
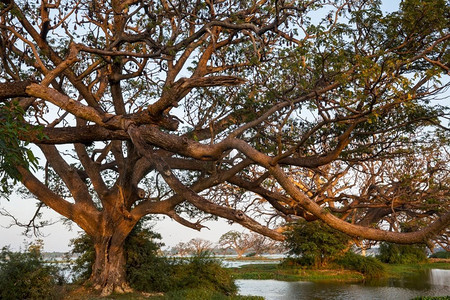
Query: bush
x=402, y=254
x=203, y=272
x=26, y=276
x=305, y=261
x=82, y=267
x=441, y=254
x=369, y=266
x=146, y=270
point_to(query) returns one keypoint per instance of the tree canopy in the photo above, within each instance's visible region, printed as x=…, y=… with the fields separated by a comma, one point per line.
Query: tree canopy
x=259, y=112
x=242, y=242
x=316, y=243
x=238, y=241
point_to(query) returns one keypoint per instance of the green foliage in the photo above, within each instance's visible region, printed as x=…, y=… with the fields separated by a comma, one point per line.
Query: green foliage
x=369, y=266
x=82, y=267
x=13, y=152
x=203, y=272
x=402, y=254
x=315, y=243
x=441, y=254
x=26, y=276
x=146, y=270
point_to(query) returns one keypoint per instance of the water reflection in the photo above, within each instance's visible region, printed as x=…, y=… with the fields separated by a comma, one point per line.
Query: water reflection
x=424, y=283
x=440, y=277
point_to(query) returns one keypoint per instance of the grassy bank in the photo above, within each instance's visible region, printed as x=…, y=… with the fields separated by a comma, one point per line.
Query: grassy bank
x=396, y=271
x=295, y=273
x=82, y=293
x=249, y=258
x=289, y=273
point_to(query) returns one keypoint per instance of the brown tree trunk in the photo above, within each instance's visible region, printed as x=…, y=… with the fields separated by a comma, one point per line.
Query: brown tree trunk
x=108, y=270
x=239, y=252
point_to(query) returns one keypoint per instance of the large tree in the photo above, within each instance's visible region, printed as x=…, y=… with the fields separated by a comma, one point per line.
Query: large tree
x=242, y=242
x=253, y=111
x=238, y=241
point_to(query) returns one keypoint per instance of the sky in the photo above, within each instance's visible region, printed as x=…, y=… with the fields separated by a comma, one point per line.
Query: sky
x=57, y=236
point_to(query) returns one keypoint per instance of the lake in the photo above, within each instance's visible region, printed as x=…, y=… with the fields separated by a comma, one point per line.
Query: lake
x=434, y=282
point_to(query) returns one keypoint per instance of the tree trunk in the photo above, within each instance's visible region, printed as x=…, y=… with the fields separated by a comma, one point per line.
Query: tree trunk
x=108, y=271
x=239, y=252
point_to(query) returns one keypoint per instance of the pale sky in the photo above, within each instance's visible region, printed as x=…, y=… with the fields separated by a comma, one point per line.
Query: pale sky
x=57, y=236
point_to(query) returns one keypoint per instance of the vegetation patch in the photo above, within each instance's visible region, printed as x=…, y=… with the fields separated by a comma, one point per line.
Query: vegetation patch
x=202, y=272
x=400, y=270
x=24, y=275
x=432, y=298
x=369, y=266
x=351, y=268
x=195, y=294
x=83, y=293
x=294, y=273
x=402, y=254
x=441, y=254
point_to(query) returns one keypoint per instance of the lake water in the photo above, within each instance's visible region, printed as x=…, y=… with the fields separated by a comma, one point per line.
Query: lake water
x=433, y=282
x=240, y=263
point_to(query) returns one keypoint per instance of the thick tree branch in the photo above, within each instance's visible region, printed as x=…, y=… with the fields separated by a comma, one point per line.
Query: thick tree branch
x=83, y=215
x=420, y=236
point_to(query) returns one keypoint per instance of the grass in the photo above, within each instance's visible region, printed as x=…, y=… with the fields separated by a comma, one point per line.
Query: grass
x=195, y=294
x=248, y=258
x=397, y=271
x=432, y=298
x=296, y=273
x=290, y=273
x=82, y=293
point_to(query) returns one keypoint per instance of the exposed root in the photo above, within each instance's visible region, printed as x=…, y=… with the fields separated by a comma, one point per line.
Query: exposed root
x=118, y=289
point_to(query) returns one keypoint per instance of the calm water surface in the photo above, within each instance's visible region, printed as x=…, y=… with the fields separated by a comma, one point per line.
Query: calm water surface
x=433, y=282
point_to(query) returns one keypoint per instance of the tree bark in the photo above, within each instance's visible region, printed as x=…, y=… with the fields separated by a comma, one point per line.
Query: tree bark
x=108, y=270
x=13, y=89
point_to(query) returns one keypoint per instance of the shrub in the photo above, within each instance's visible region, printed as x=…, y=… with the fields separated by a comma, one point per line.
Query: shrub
x=146, y=270
x=26, y=276
x=203, y=272
x=305, y=261
x=369, y=266
x=402, y=254
x=82, y=267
